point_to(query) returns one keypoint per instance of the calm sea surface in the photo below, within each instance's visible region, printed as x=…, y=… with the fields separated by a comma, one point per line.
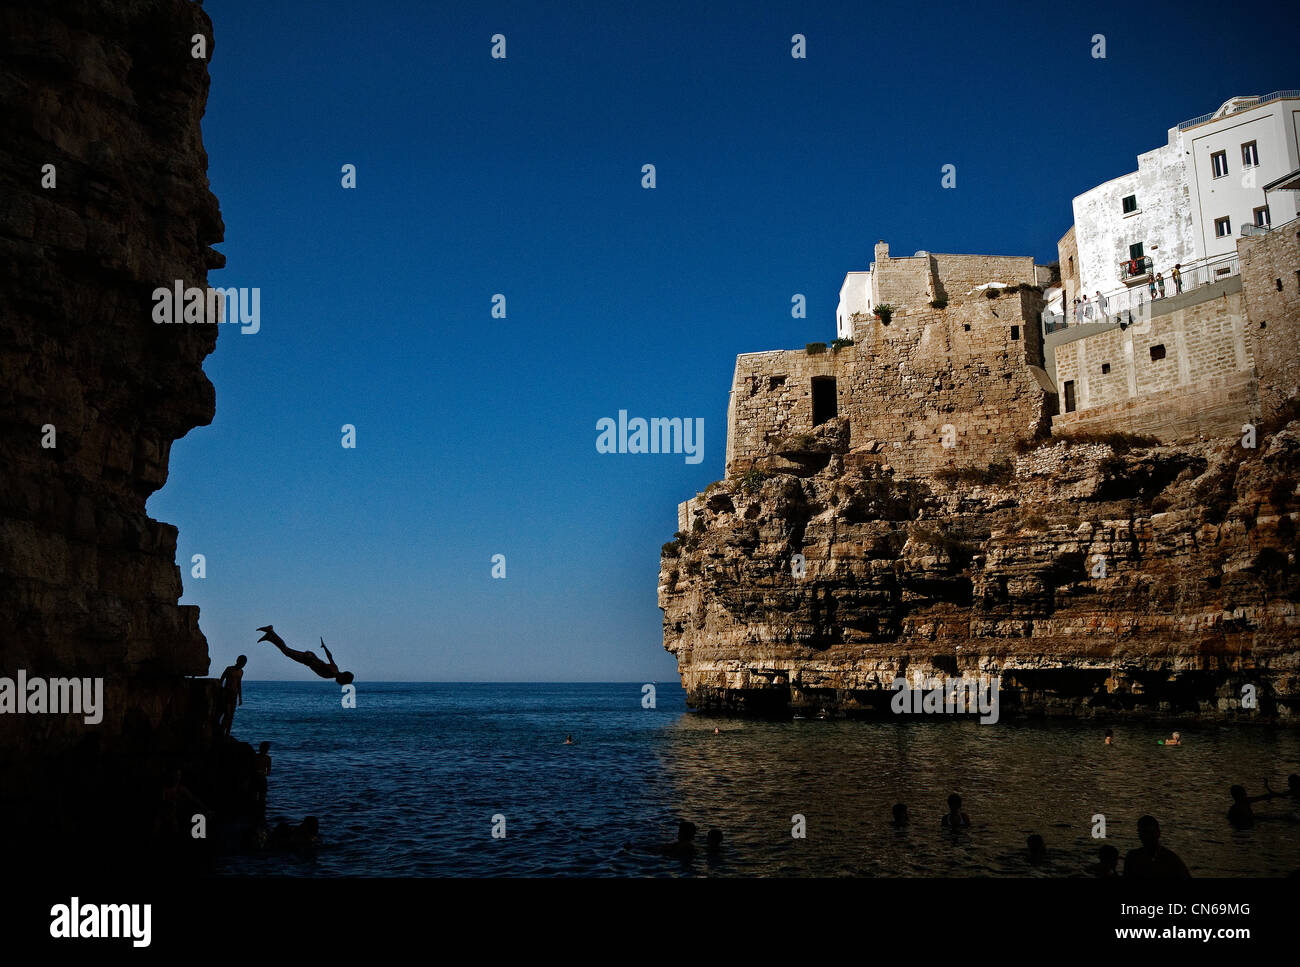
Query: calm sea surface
x=407, y=784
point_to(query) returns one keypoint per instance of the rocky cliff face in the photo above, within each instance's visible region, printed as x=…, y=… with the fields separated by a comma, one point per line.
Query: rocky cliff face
x=106, y=92
x=1150, y=581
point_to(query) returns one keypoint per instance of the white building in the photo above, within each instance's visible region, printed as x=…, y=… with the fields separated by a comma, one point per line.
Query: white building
x=1191, y=198
x=855, y=296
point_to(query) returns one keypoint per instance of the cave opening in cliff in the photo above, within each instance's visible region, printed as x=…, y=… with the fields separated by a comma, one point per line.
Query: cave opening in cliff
x=824, y=401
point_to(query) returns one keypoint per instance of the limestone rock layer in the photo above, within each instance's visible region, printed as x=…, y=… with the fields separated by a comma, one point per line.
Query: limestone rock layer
x=1156, y=581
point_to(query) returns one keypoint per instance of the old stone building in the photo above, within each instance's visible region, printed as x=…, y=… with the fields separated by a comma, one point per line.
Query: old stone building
x=952, y=378
x=1270, y=286
x=1202, y=363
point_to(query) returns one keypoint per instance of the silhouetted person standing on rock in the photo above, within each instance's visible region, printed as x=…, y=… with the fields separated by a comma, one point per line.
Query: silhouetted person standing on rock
x=1151, y=860
x=232, y=693
x=308, y=658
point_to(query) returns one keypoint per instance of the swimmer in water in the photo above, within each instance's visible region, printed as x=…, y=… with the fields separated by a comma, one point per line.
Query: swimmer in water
x=568, y=740
x=1107, y=864
x=1175, y=739
x=684, y=847
x=1293, y=788
x=954, y=817
x=1239, y=813
x=1152, y=860
x=1110, y=736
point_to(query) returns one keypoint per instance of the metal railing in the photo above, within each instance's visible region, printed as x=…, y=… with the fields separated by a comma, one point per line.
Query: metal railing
x=1276, y=95
x=1117, y=305
x=1131, y=270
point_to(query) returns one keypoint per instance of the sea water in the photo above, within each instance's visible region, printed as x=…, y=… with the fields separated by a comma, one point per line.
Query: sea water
x=414, y=780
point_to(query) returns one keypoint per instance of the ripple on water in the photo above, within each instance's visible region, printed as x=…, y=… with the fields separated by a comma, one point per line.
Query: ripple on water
x=407, y=785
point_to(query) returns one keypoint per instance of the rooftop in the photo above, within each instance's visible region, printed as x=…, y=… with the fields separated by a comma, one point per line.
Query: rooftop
x=1234, y=105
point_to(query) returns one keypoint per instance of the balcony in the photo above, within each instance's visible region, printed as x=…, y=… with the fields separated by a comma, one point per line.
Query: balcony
x=1135, y=271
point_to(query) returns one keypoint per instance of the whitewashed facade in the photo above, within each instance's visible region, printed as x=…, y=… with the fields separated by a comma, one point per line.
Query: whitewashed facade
x=1190, y=198
x=855, y=296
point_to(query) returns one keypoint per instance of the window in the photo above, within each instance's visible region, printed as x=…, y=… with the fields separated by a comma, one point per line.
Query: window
x=1071, y=265
x=1157, y=353
x=1015, y=333
x=824, y=403
x=775, y=382
x=1222, y=227
x=1069, y=396
x=1219, y=163
x=966, y=327
x=1130, y=204
x=1105, y=368
x=1249, y=155
x=1135, y=250
x=1261, y=217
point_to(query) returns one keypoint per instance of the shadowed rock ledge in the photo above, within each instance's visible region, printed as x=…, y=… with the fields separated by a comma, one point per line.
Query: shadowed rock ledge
x=108, y=93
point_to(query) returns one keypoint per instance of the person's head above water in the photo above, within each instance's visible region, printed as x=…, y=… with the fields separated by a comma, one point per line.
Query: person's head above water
x=1149, y=831
x=1293, y=782
x=1238, y=793
x=1109, y=856
x=954, y=803
x=344, y=678
x=685, y=831
x=714, y=838
x=1037, y=847
x=900, y=813
x=264, y=746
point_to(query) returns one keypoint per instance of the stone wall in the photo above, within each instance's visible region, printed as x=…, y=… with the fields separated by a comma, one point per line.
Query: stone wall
x=1174, y=375
x=903, y=283
x=1219, y=408
x=771, y=399
x=1067, y=250
x=974, y=365
x=958, y=275
x=1270, y=280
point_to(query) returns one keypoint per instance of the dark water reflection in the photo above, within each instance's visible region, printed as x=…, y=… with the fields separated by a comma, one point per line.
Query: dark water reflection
x=408, y=783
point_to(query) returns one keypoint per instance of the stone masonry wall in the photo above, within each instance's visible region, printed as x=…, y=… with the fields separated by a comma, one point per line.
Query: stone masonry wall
x=1270, y=281
x=771, y=399
x=1067, y=250
x=1193, y=388
x=904, y=283
x=974, y=365
x=957, y=275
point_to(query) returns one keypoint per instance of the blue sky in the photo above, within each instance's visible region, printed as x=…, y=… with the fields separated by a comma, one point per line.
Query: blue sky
x=475, y=435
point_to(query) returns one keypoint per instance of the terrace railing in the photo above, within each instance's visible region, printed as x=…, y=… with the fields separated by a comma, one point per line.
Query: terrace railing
x=1120, y=305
